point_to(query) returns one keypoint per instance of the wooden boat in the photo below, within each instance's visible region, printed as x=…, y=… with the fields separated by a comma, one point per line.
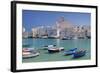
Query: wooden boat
x=30, y=55
x=79, y=53
x=70, y=52
x=54, y=49
x=26, y=50
x=48, y=46
x=27, y=53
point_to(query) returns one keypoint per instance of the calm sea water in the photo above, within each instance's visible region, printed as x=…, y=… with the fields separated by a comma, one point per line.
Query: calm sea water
x=67, y=44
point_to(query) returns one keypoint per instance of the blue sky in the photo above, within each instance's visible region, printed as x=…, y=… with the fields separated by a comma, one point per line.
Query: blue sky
x=31, y=18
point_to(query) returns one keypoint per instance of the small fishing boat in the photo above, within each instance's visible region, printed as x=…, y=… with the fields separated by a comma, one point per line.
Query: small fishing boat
x=48, y=46
x=29, y=53
x=79, y=53
x=73, y=49
x=26, y=50
x=54, y=49
x=70, y=52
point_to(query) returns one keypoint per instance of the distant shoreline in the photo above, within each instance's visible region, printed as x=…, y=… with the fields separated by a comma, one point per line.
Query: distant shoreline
x=56, y=38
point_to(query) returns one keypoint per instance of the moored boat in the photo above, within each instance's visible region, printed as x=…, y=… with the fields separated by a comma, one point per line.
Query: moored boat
x=70, y=52
x=54, y=49
x=79, y=53
x=48, y=46
x=29, y=53
x=26, y=50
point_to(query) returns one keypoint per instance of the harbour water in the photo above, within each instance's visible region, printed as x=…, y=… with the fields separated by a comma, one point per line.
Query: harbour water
x=67, y=44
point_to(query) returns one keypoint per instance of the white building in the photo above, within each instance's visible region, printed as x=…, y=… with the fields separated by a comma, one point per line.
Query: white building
x=64, y=28
x=34, y=32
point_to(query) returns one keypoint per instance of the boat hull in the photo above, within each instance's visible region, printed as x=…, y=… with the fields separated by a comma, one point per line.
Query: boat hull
x=53, y=51
x=30, y=56
x=69, y=53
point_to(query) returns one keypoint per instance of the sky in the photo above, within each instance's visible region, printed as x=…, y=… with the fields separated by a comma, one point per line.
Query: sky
x=32, y=18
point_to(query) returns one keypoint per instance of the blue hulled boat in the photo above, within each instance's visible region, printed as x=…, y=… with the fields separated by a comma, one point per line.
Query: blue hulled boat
x=79, y=53
x=70, y=52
